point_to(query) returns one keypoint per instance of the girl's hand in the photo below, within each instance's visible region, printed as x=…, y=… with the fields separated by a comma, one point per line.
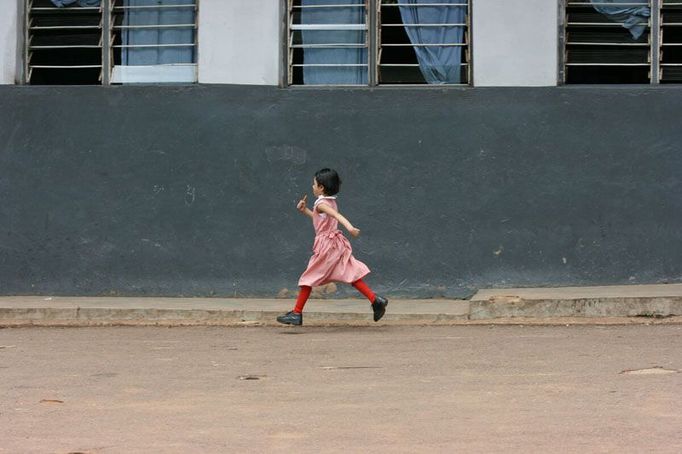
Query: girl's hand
x=354, y=231
x=301, y=206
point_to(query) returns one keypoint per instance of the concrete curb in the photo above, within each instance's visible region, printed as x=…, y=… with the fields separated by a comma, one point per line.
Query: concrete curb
x=187, y=317
x=654, y=304
x=656, y=307
x=312, y=320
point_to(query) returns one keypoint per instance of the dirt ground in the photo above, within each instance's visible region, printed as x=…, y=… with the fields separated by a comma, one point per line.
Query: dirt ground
x=469, y=389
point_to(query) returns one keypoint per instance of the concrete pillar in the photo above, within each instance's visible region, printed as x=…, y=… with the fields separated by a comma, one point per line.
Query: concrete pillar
x=515, y=42
x=239, y=42
x=9, y=35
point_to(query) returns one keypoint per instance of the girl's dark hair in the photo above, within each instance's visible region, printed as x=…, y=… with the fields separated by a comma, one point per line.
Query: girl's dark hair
x=329, y=180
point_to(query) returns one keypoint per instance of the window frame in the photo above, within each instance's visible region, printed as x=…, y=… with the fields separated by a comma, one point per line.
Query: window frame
x=655, y=46
x=373, y=14
x=107, y=58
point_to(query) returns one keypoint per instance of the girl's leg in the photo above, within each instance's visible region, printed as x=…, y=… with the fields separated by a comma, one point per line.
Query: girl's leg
x=295, y=317
x=303, y=295
x=365, y=290
x=378, y=303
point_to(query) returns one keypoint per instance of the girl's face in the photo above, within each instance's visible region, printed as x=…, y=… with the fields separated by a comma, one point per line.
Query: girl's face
x=318, y=189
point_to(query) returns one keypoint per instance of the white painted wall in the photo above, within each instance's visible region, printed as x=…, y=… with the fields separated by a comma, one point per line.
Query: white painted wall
x=515, y=42
x=239, y=42
x=9, y=17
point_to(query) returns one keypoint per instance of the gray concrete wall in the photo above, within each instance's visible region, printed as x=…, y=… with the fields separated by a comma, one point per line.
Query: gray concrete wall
x=192, y=190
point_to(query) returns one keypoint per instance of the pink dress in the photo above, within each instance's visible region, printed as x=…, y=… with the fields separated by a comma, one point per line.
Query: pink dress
x=332, y=259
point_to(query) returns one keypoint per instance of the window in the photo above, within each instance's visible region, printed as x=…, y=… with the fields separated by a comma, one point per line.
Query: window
x=671, y=42
x=110, y=41
x=64, y=45
x=622, y=41
x=423, y=42
x=378, y=42
x=328, y=42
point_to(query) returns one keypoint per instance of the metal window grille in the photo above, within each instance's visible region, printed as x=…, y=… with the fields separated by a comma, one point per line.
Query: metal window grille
x=371, y=42
x=118, y=41
x=600, y=49
x=63, y=44
x=397, y=60
x=153, y=40
x=671, y=41
x=327, y=39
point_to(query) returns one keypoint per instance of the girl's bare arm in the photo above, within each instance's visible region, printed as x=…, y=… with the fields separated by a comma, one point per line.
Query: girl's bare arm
x=301, y=206
x=324, y=208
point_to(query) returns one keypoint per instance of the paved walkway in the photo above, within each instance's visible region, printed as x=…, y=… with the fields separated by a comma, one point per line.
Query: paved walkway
x=378, y=389
x=606, y=305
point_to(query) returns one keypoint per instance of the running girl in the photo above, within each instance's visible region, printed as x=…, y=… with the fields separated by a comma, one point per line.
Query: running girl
x=332, y=259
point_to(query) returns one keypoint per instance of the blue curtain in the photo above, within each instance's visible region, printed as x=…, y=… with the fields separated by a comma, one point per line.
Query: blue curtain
x=162, y=16
x=330, y=75
x=630, y=16
x=438, y=65
x=83, y=3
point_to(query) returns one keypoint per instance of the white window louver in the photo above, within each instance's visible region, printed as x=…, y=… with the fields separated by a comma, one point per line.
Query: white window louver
x=110, y=41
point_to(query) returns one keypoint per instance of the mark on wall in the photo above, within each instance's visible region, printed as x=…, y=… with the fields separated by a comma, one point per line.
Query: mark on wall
x=289, y=153
x=190, y=195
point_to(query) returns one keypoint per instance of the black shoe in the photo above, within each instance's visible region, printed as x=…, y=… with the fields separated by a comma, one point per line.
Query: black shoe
x=291, y=318
x=379, y=307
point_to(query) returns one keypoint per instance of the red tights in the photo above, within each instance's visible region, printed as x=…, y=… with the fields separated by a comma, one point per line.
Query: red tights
x=304, y=294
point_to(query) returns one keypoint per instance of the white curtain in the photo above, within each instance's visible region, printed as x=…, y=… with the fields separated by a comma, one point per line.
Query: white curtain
x=438, y=64
x=82, y=3
x=158, y=16
x=334, y=75
x=632, y=17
